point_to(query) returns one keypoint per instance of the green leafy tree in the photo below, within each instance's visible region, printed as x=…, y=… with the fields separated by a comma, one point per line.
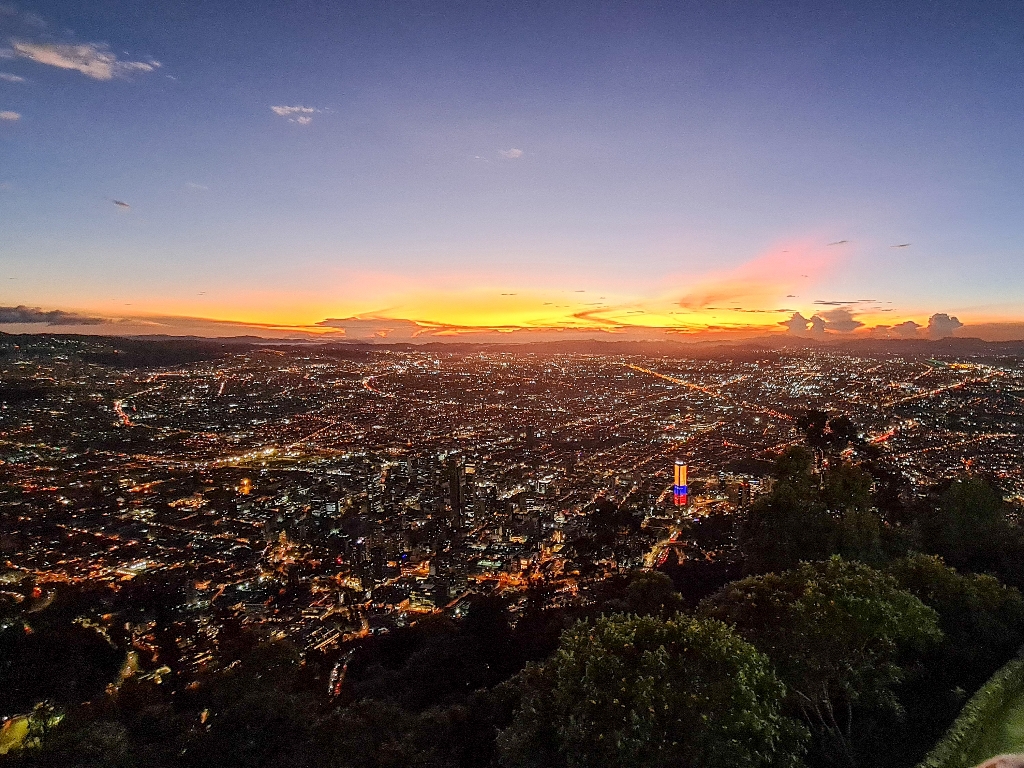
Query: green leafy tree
x=639, y=691
x=836, y=632
x=846, y=488
x=983, y=624
x=794, y=467
x=981, y=618
x=787, y=526
x=647, y=593
x=104, y=744
x=814, y=425
x=846, y=494
x=969, y=527
x=806, y=520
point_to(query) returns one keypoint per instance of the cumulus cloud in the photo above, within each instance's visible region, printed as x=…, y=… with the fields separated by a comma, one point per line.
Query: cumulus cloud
x=9, y=115
x=93, y=60
x=907, y=330
x=296, y=114
x=941, y=325
x=797, y=324
x=512, y=154
x=33, y=315
x=841, y=320
x=7, y=77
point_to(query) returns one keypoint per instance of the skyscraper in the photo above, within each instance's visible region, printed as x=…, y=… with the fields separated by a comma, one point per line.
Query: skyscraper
x=679, y=488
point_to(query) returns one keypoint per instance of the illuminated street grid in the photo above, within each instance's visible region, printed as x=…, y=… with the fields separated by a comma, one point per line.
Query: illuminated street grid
x=326, y=495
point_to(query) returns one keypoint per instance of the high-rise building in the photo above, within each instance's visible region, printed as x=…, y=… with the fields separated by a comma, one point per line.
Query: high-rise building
x=456, y=493
x=679, y=487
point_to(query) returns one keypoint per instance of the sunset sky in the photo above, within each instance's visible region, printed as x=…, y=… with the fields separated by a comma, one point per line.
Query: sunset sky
x=413, y=169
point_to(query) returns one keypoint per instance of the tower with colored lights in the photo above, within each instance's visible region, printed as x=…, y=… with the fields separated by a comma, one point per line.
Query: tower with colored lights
x=679, y=489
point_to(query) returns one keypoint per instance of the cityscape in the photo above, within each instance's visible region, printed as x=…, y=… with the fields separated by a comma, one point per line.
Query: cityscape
x=323, y=494
x=459, y=384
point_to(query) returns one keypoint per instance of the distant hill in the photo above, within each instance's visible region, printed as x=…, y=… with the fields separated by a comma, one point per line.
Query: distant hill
x=160, y=350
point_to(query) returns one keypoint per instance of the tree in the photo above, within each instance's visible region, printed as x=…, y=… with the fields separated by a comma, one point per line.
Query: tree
x=983, y=624
x=794, y=466
x=825, y=434
x=981, y=618
x=647, y=593
x=801, y=520
x=968, y=527
x=47, y=655
x=785, y=527
x=814, y=425
x=835, y=631
x=638, y=691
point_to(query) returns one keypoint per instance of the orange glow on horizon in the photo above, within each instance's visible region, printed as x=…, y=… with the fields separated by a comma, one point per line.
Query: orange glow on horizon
x=755, y=297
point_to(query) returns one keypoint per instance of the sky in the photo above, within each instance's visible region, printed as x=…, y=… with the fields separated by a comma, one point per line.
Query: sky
x=415, y=170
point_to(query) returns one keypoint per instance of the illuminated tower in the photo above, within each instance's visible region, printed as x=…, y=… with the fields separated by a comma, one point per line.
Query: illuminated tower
x=679, y=489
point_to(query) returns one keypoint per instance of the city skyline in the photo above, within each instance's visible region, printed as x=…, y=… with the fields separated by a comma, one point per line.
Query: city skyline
x=421, y=171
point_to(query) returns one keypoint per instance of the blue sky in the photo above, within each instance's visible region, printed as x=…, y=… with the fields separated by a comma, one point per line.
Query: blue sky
x=446, y=154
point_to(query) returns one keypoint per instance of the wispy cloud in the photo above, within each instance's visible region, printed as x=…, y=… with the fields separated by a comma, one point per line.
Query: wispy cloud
x=297, y=114
x=9, y=115
x=512, y=154
x=93, y=60
x=758, y=284
x=7, y=77
x=834, y=303
x=34, y=315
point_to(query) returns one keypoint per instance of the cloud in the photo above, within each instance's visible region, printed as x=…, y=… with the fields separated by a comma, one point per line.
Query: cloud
x=7, y=77
x=301, y=114
x=941, y=325
x=511, y=154
x=93, y=60
x=906, y=330
x=824, y=303
x=374, y=328
x=758, y=283
x=840, y=320
x=192, y=186
x=797, y=324
x=22, y=21
x=285, y=111
x=9, y=115
x=31, y=315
